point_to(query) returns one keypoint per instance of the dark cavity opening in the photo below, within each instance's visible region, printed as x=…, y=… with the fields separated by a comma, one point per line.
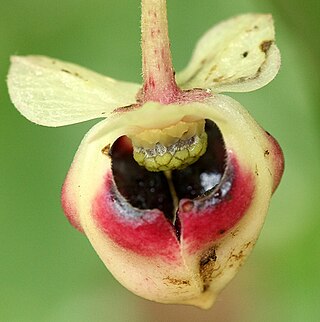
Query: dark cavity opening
x=149, y=190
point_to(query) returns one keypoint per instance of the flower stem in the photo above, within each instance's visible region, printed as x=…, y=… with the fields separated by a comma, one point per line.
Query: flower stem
x=158, y=74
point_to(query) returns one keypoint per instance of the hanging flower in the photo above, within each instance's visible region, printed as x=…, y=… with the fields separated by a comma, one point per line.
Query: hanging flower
x=173, y=186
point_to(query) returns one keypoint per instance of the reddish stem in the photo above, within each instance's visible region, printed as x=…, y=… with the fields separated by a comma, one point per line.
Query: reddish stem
x=158, y=74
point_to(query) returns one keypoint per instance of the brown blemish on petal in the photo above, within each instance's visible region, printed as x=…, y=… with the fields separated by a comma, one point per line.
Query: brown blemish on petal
x=212, y=69
x=218, y=79
x=66, y=71
x=266, y=45
x=73, y=73
x=175, y=281
x=234, y=233
x=126, y=108
x=247, y=244
x=237, y=256
x=253, y=28
x=266, y=153
x=207, y=266
x=106, y=150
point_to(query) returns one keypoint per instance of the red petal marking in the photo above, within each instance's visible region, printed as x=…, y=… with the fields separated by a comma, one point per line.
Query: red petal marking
x=68, y=206
x=201, y=227
x=149, y=235
x=152, y=235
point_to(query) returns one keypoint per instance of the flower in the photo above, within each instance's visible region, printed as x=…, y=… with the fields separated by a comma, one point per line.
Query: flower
x=175, y=224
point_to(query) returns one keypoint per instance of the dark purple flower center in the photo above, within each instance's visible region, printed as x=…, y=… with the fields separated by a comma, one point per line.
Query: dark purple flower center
x=153, y=190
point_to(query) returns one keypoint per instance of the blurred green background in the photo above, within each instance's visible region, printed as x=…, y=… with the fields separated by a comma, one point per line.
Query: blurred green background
x=48, y=271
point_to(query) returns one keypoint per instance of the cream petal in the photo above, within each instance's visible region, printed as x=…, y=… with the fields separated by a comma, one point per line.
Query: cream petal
x=50, y=92
x=150, y=276
x=194, y=270
x=237, y=55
